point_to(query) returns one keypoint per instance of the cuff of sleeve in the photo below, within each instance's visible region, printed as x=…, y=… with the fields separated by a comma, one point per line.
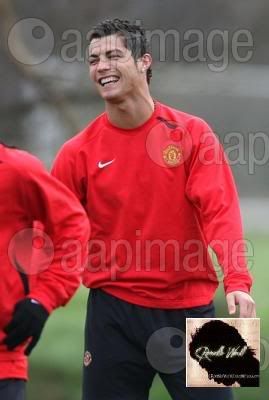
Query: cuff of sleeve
x=237, y=286
x=43, y=300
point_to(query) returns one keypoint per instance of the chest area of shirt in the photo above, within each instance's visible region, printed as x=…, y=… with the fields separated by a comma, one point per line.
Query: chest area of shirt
x=133, y=166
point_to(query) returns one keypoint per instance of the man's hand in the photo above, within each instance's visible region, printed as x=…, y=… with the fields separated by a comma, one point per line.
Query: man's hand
x=28, y=320
x=247, y=308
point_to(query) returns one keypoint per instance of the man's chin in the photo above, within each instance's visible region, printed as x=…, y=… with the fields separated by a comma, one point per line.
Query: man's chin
x=112, y=97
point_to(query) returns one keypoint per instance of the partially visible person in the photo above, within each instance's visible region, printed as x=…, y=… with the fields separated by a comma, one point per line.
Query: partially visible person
x=33, y=205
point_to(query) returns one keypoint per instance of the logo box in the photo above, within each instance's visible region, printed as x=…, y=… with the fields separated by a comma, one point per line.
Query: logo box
x=222, y=352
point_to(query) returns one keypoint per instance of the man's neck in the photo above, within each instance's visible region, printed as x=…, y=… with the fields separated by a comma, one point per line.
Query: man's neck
x=131, y=113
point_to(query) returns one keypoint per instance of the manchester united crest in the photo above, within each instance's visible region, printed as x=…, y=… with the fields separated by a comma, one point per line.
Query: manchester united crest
x=87, y=358
x=172, y=155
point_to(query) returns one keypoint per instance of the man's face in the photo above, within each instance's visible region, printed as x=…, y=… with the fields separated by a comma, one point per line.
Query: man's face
x=113, y=69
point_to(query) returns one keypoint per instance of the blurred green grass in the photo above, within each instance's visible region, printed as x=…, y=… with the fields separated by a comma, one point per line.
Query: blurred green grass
x=56, y=363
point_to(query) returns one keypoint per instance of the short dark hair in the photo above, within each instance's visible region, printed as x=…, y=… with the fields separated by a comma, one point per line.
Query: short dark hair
x=134, y=37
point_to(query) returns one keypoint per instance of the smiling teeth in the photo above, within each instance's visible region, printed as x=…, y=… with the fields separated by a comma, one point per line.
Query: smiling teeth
x=109, y=79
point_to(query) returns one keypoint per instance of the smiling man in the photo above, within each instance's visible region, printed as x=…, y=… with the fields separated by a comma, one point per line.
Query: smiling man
x=158, y=190
x=120, y=78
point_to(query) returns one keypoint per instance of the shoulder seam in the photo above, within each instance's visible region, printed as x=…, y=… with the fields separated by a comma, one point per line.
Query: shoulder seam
x=88, y=139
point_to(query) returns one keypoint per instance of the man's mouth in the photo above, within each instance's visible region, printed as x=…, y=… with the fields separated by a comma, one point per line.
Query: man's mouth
x=108, y=80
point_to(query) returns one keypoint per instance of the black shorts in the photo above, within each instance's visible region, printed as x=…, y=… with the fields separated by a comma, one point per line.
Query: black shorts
x=12, y=389
x=127, y=345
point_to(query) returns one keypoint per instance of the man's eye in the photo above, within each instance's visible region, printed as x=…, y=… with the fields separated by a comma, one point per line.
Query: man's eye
x=115, y=56
x=93, y=61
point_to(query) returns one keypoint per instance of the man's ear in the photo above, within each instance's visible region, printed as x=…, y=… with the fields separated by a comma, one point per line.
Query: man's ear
x=144, y=62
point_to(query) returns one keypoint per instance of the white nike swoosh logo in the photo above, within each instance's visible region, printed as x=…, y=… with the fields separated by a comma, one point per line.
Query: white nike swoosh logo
x=103, y=165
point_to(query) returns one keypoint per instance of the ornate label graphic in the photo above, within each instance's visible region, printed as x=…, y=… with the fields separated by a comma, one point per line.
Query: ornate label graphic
x=87, y=358
x=169, y=144
x=223, y=352
x=172, y=155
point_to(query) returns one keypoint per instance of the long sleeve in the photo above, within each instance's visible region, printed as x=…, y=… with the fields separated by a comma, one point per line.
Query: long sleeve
x=66, y=168
x=211, y=189
x=65, y=223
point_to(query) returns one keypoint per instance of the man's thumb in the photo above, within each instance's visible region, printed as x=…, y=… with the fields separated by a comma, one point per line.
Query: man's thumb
x=231, y=304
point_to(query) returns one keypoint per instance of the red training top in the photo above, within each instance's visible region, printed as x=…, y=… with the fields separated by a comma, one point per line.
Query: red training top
x=156, y=196
x=35, y=263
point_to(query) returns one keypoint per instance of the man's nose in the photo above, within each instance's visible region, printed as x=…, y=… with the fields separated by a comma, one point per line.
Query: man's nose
x=104, y=65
